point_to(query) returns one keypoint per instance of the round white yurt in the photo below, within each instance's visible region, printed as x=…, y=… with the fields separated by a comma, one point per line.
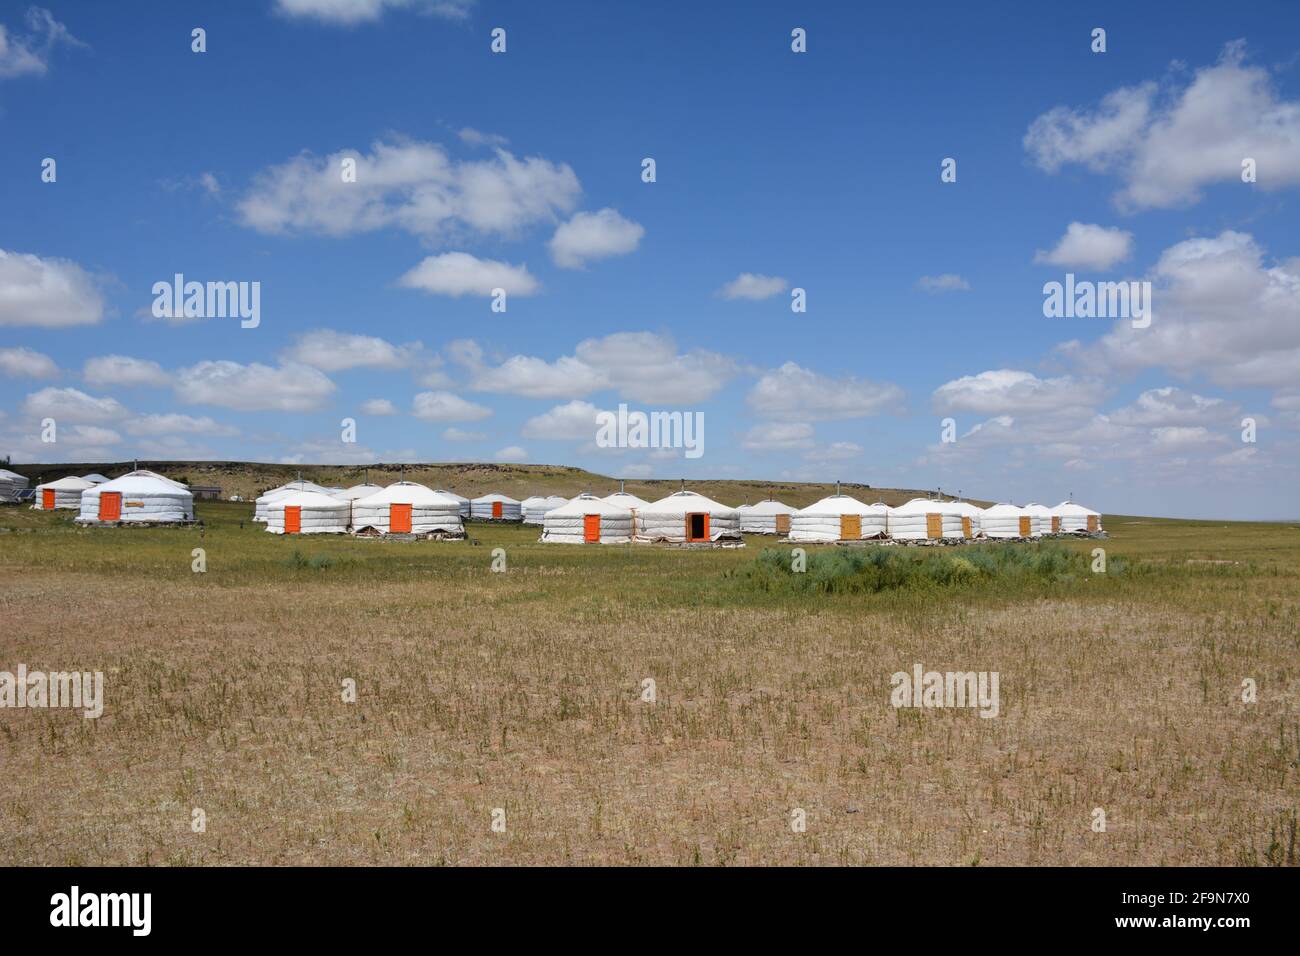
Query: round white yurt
x=1006, y=521
x=1076, y=519
x=588, y=520
x=685, y=517
x=766, y=517
x=64, y=493
x=461, y=500
x=406, y=507
x=534, y=509
x=357, y=492
x=260, y=506
x=974, y=513
x=138, y=497
x=1043, y=520
x=629, y=501
x=923, y=519
x=95, y=478
x=11, y=485
x=839, y=518
x=495, y=508
x=307, y=512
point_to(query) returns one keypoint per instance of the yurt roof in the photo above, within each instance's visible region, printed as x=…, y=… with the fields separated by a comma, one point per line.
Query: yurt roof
x=920, y=506
x=450, y=494
x=1003, y=508
x=154, y=474
x=1073, y=508
x=532, y=501
x=504, y=499
x=770, y=507
x=294, y=486
x=95, y=477
x=1034, y=508
x=586, y=504
x=966, y=508
x=70, y=483
x=685, y=502
x=842, y=505
x=625, y=499
x=409, y=493
x=358, y=491
x=142, y=483
x=310, y=499
x=7, y=475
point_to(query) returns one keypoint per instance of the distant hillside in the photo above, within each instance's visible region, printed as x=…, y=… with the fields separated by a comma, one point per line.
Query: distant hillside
x=471, y=479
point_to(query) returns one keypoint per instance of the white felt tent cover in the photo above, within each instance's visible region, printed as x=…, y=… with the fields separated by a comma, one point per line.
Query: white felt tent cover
x=260, y=506
x=820, y=521
x=627, y=500
x=910, y=522
x=11, y=483
x=1002, y=521
x=146, y=497
x=357, y=492
x=665, y=520
x=95, y=478
x=1040, y=518
x=463, y=501
x=534, y=509
x=974, y=512
x=482, y=508
x=319, y=513
x=67, y=492
x=567, y=523
x=761, y=518
x=430, y=510
x=1074, y=517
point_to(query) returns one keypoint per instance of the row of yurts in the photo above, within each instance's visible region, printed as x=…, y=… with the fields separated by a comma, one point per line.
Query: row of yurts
x=303, y=507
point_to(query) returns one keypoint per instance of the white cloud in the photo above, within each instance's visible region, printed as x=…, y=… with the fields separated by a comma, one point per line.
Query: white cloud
x=174, y=423
x=25, y=363
x=447, y=407
x=476, y=137
x=947, y=282
x=511, y=453
x=1088, y=246
x=412, y=186
x=290, y=387
x=52, y=293
x=1175, y=406
x=749, y=285
x=352, y=12
x=72, y=405
x=776, y=436
x=90, y=435
x=1008, y=391
x=459, y=273
x=575, y=420
x=332, y=351
x=835, y=451
x=1167, y=146
x=594, y=235
x=459, y=434
x=30, y=55
x=122, y=370
x=794, y=394
x=378, y=406
x=641, y=470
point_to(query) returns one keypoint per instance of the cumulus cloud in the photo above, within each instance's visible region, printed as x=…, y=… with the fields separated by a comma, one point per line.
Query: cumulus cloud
x=378, y=406
x=122, y=370
x=1166, y=143
x=459, y=273
x=511, y=453
x=72, y=405
x=413, y=186
x=332, y=351
x=835, y=451
x=750, y=285
x=447, y=407
x=290, y=387
x=575, y=420
x=29, y=54
x=52, y=293
x=791, y=393
x=1088, y=246
x=1175, y=406
x=778, y=436
x=594, y=235
x=26, y=363
x=174, y=423
x=352, y=12
x=947, y=282
x=459, y=434
x=1009, y=391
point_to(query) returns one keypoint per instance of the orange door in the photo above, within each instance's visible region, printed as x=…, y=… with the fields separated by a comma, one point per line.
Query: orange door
x=591, y=528
x=399, y=518
x=782, y=524
x=47, y=499
x=850, y=527
x=965, y=526
x=292, y=519
x=1056, y=524
x=934, y=526
x=1092, y=522
x=110, y=506
x=496, y=509
x=697, y=526
x=1024, y=526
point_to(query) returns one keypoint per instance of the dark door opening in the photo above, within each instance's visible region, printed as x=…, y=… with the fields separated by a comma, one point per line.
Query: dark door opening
x=697, y=527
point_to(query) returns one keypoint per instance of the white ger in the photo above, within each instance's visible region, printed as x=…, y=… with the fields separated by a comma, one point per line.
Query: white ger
x=588, y=520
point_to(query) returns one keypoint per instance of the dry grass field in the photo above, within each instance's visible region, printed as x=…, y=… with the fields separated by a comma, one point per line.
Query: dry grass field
x=522, y=691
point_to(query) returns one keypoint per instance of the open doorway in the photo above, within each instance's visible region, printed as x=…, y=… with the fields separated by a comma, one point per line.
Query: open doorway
x=697, y=526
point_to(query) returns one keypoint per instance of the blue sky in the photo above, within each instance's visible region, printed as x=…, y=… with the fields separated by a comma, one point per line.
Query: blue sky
x=816, y=170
